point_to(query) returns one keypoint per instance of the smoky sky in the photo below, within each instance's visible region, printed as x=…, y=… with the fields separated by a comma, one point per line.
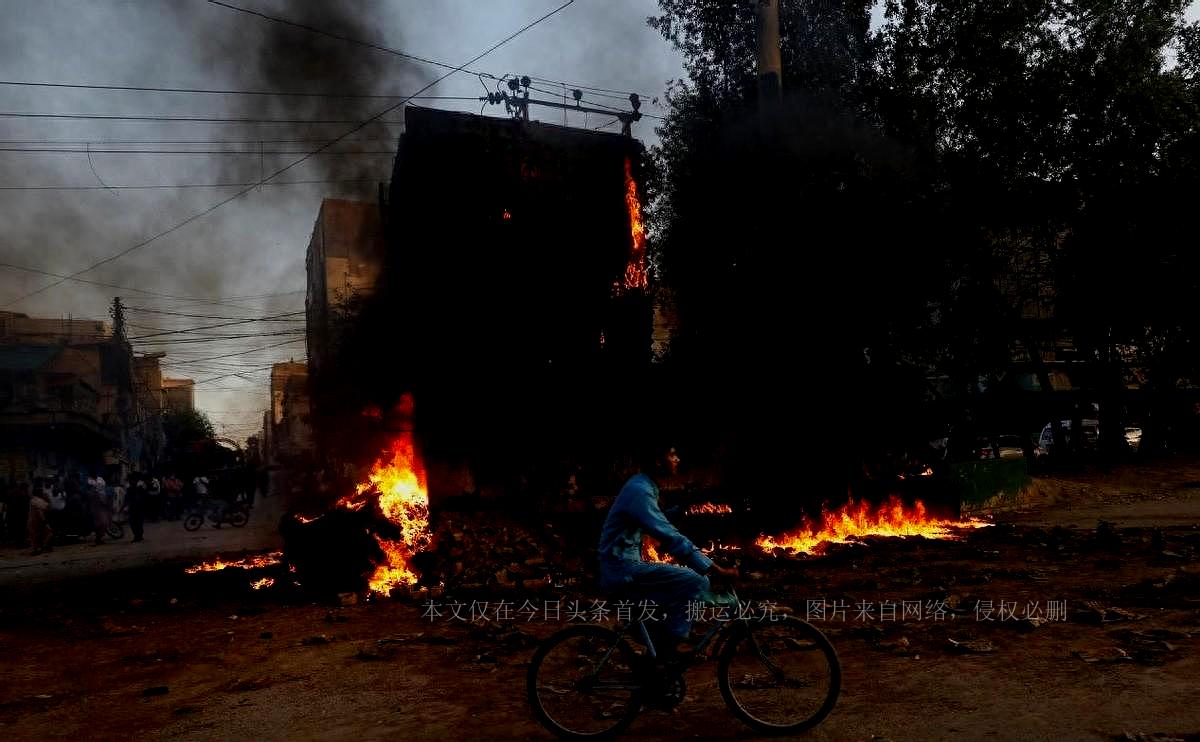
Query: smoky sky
x=255, y=245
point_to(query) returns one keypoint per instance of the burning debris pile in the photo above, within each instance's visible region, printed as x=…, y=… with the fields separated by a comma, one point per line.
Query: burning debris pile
x=370, y=539
x=379, y=539
x=398, y=489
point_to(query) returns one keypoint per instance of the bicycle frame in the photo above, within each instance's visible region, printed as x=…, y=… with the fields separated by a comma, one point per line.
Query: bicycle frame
x=644, y=634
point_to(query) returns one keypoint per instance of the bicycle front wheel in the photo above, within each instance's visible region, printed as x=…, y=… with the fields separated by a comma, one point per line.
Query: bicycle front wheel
x=583, y=683
x=780, y=677
x=193, y=521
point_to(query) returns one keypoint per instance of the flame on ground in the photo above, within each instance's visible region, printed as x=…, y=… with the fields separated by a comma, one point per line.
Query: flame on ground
x=856, y=520
x=264, y=582
x=250, y=562
x=635, y=270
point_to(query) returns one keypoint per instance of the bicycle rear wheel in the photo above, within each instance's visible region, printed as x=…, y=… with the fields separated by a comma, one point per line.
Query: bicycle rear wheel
x=583, y=683
x=780, y=677
x=238, y=518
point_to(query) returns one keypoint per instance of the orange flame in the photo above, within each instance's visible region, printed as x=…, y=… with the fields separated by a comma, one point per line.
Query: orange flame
x=250, y=562
x=856, y=520
x=264, y=582
x=709, y=507
x=650, y=552
x=635, y=271
x=404, y=500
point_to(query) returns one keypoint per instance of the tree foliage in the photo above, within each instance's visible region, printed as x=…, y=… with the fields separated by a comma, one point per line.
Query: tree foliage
x=184, y=429
x=926, y=192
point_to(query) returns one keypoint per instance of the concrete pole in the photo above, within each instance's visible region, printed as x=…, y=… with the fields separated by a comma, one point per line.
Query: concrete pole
x=770, y=68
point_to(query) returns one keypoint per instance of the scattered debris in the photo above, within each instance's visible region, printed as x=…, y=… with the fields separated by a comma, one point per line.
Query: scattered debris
x=972, y=646
x=1094, y=612
x=421, y=637
x=1104, y=655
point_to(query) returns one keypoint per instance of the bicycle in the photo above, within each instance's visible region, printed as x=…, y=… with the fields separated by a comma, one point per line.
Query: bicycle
x=780, y=676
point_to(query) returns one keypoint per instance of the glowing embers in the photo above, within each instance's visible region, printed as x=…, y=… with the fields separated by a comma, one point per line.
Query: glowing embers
x=250, y=562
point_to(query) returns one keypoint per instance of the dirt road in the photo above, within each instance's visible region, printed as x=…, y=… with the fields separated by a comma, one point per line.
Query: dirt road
x=204, y=657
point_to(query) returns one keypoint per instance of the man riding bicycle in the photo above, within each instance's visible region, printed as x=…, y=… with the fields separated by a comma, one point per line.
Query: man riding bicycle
x=671, y=587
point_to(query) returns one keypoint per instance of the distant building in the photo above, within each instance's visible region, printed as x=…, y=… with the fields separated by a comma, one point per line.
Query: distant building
x=289, y=430
x=179, y=395
x=150, y=404
x=344, y=260
x=21, y=328
x=68, y=399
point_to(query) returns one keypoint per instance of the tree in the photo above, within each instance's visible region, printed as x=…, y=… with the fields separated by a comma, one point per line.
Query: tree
x=922, y=190
x=186, y=431
x=782, y=235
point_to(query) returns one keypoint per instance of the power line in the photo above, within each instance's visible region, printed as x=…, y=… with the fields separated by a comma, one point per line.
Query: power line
x=390, y=50
x=211, y=338
x=254, y=152
x=258, y=140
x=212, y=316
x=218, y=301
x=219, y=324
x=248, y=352
x=226, y=376
x=273, y=175
x=212, y=91
x=157, y=294
x=603, y=92
x=168, y=186
x=185, y=119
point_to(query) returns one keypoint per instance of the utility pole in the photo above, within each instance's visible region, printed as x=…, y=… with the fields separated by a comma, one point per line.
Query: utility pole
x=518, y=104
x=118, y=318
x=770, y=67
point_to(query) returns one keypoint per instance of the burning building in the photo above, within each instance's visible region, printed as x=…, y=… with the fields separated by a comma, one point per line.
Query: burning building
x=512, y=301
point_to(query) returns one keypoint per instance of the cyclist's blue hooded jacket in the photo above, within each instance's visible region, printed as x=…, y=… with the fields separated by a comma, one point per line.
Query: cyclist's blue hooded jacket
x=634, y=512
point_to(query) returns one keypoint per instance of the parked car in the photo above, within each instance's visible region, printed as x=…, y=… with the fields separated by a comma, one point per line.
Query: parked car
x=1000, y=447
x=1091, y=434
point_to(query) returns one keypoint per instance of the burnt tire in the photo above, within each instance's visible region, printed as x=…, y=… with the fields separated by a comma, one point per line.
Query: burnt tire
x=773, y=695
x=581, y=648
